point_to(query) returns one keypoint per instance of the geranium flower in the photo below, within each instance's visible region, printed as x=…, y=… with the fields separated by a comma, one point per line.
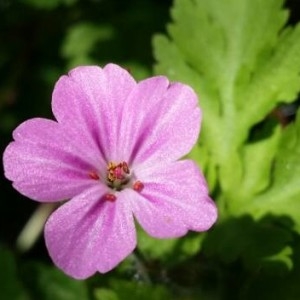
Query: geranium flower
x=113, y=151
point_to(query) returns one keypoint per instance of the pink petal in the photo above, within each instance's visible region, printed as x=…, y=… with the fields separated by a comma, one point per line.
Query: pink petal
x=174, y=199
x=86, y=235
x=161, y=121
x=47, y=163
x=159, y=218
x=91, y=100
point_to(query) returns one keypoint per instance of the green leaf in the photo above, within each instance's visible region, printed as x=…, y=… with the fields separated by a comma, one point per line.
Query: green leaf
x=48, y=4
x=283, y=196
x=169, y=251
x=10, y=285
x=201, y=156
x=258, y=157
x=149, y=245
x=261, y=244
x=284, y=256
x=138, y=290
x=49, y=283
x=81, y=40
x=137, y=70
x=105, y=294
x=242, y=62
x=276, y=286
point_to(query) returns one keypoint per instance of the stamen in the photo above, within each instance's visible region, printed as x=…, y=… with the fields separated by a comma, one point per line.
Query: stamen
x=94, y=175
x=138, y=186
x=110, y=171
x=110, y=197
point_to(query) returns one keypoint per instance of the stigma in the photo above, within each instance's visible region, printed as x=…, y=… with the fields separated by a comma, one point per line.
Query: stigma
x=117, y=171
x=118, y=175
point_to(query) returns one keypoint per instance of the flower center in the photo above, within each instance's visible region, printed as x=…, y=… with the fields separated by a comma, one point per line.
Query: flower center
x=117, y=175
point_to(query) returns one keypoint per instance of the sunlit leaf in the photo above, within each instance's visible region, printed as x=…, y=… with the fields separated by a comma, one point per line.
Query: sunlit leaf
x=240, y=71
x=283, y=195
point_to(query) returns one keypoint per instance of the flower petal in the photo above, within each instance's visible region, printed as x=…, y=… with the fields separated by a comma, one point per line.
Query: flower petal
x=174, y=199
x=161, y=121
x=87, y=234
x=159, y=219
x=48, y=163
x=91, y=101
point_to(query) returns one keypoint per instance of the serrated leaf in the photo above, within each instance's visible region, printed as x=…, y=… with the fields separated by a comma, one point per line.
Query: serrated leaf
x=277, y=79
x=283, y=196
x=258, y=159
x=242, y=63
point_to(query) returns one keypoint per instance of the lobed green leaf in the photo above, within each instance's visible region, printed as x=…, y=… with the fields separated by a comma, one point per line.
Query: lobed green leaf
x=242, y=62
x=282, y=196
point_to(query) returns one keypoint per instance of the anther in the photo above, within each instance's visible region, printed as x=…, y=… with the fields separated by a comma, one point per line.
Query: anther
x=138, y=186
x=110, y=197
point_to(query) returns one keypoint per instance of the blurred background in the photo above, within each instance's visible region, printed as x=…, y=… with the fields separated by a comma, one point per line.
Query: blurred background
x=39, y=41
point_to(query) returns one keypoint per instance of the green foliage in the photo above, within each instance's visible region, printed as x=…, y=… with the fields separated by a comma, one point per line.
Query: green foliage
x=257, y=158
x=49, y=283
x=105, y=294
x=259, y=245
x=169, y=251
x=122, y=290
x=282, y=196
x=10, y=285
x=243, y=60
x=240, y=71
x=274, y=286
x=81, y=40
x=48, y=4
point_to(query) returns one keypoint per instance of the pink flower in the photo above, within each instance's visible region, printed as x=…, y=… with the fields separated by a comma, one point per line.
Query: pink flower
x=114, y=152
